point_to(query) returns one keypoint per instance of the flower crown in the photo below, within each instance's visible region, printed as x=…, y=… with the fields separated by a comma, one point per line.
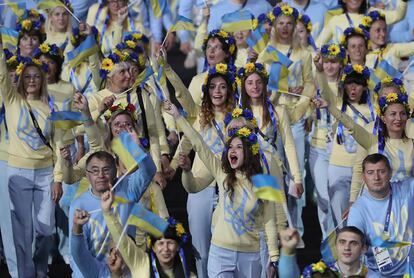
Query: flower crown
x=388, y=80
x=108, y=64
x=333, y=51
x=11, y=59
x=228, y=39
x=237, y=113
x=359, y=69
x=227, y=70
x=24, y=61
x=50, y=49
x=32, y=14
x=320, y=267
x=128, y=107
x=178, y=232
x=137, y=37
x=28, y=25
x=392, y=98
x=245, y=132
x=371, y=17
x=251, y=68
x=136, y=54
x=353, y=31
x=283, y=9
x=76, y=37
x=306, y=21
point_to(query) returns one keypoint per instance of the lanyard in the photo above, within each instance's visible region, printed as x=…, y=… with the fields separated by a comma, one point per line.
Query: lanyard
x=289, y=52
x=359, y=113
x=88, y=81
x=104, y=29
x=351, y=23
x=131, y=22
x=388, y=215
x=219, y=132
x=154, y=266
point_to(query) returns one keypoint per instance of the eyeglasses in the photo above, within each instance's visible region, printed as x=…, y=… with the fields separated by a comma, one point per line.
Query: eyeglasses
x=96, y=171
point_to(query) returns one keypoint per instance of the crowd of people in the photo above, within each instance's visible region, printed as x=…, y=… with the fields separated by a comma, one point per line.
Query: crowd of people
x=304, y=84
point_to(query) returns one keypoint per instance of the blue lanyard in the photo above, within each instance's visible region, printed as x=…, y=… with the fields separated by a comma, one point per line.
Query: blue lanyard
x=131, y=22
x=272, y=118
x=219, y=132
x=104, y=29
x=351, y=23
x=50, y=100
x=264, y=161
x=388, y=215
x=154, y=266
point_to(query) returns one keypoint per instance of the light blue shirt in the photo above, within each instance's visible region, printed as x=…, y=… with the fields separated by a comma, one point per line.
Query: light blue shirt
x=368, y=214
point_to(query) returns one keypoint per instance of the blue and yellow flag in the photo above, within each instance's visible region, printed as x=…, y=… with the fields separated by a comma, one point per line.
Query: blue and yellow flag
x=273, y=55
x=82, y=52
x=159, y=7
x=66, y=119
x=9, y=37
x=128, y=151
x=143, y=76
x=387, y=243
x=409, y=271
x=384, y=70
x=258, y=39
x=266, y=187
x=240, y=20
x=50, y=4
x=328, y=250
x=182, y=23
x=147, y=221
x=73, y=191
x=278, y=78
x=18, y=8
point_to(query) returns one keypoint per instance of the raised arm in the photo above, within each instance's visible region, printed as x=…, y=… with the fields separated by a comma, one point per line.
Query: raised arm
x=357, y=183
x=196, y=178
x=397, y=14
x=7, y=89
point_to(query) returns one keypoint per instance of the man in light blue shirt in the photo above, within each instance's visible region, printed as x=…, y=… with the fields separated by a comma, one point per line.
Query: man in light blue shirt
x=381, y=201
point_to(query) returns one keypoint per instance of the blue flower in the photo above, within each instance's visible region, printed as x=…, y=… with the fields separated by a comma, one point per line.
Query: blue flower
x=403, y=98
x=227, y=119
x=397, y=81
x=248, y=114
x=382, y=101
x=253, y=138
x=261, y=18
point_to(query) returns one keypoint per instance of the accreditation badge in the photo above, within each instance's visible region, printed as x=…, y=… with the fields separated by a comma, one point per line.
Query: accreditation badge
x=383, y=258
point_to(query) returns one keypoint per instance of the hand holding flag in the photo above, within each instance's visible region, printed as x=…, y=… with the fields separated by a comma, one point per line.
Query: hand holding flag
x=128, y=151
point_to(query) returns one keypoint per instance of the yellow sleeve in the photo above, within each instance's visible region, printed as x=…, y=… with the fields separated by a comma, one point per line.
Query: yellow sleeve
x=182, y=93
x=394, y=15
x=183, y=146
x=212, y=163
x=8, y=92
x=134, y=257
x=307, y=75
x=152, y=131
x=325, y=90
x=288, y=143
x=164, y=148
x=327, y=33
x=356, y=183
x=198, y=178
x=403, y=49
x=94, y=67
x=270, y=230
x=409, y=128
x=199, y=38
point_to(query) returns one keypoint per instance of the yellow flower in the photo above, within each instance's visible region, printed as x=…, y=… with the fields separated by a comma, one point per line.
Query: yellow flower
x=12, y=60
x=358, y=68
x=392, y=97
x=37, y=62
x=359, y=30
x=179, y=229
x=255, y=148
x=232, y=48
x=34, y=13
x=319, y=266
x=387, y=80
x=378, y=110
x=238, y=81
x=131, y=44
x=250, y=67
x=221, y=68
x=19, y=69
x=237, y=112
x=366, y=21
x=137, y=36
x=334, y=49
x=141, y=60
x=26, y=24
x=342, y=40
x=271, y=16
x=107, y=64
x=223, y=34
x=255, y=22
x=343, y=77
x=287, y=10
x=254, y=122
x=44, y=48
x=309, y=27
x=149, y=242
x=244, y=131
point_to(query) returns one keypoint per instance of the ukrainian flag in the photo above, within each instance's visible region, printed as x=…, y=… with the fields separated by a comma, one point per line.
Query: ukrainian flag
x=409, y=271
x=50, y=4
x=72, y=192
x=66, y=119
x=9, y=37
x=387, y=243
x=258, y=39
x=274, y=55
x=159, y=7
x=83, y=51
x=237, y=21
x=182, y=23
x=143, y=76
x=147, y=221
x=278, y=78
x=384, y=69
x=18, y=8
x=266, y=187
x=328, y=250
x=128, y=151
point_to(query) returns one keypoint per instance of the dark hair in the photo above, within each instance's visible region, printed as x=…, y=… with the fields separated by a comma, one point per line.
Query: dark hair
x=246, y=99
x=178, y=268
x=384, y=129
x=34, y=32
x=104, y=156
x=359, y=79
x=362, y=9
x=59, y=62
x=207, y=112
x=226, y=48
x=251, y=165
x=374, y=159
x=355, y=34
x=354, y=230
x=328, y=273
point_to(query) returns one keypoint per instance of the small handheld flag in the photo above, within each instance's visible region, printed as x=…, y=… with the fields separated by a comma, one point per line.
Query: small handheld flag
x=159, y=7
x=274, y=55
x=387, y=243
x=328, y=250
x=240, y=20
x=182, y=23
x=9, y=37
x=384, y=69
x=66, y=119
x=83, y=51
x=128, y=151
x=147, y=221
x=18, y=8
x=409, y=271
x=278, y=78
x=266, y=187
x=258, y=39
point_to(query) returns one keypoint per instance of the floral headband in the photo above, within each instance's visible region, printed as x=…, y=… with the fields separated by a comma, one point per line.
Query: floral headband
x=129, y=108
x=353, y=31
x=25, y=61
x=227, y=70
x=178, y=232
x=392, y=98
x=306, y=21
x=49, y=49
x=371, y=17
x=283, y=9
x=76, y=37
x=228, y=39
x=359, y=69
x=395, y=81
x=251, y=137
x=108, y=65
x=11, y=59
x=136, y=54
x=320, y=267
x=28, y=25
x=32, y=14
x=333, y=51
x=137, y=37
x=251, y=68
x=237, y=113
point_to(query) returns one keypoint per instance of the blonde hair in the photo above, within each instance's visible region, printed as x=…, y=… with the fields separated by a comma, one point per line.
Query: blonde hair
x=48, y=25
x=43, y=95
x=295, y=37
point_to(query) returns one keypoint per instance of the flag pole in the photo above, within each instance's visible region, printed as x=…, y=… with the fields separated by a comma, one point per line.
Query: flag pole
x=121, y=236
x=119, y=180
x=72, y=14
x=166, y=36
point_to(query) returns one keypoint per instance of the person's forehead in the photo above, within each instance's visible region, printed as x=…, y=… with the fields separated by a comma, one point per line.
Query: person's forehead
x=96, y=162
x=375, y=166
x=349, y=236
